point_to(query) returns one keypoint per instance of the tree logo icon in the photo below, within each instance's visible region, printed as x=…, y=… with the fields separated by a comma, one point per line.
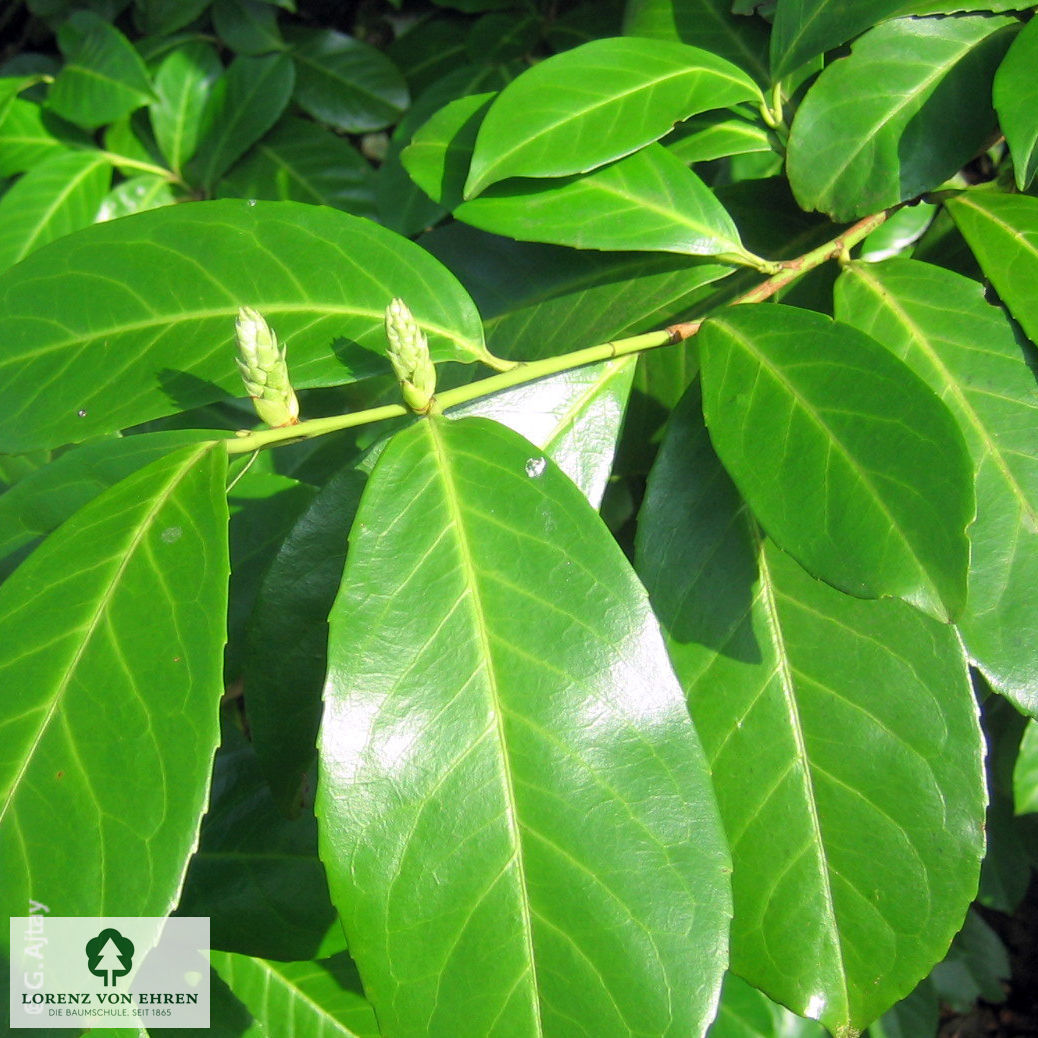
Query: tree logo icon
x=109, y=955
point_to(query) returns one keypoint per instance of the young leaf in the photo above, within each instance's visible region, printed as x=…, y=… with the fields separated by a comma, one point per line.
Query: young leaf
x=183, y=84
x=850, y=462
x=707, y=23
x=345, y=83
x=588, y=106
x=940, y=325
x=1002, y=231
x=301, y=161
x=128, y=304
x=804, y=29
x=103, y=78
x=319, y=999
x=86, y=685
x=242, y=106
x=901, y=114
x=843, y=741
x=512, y=799
x=1016, y=99
x=59, y=196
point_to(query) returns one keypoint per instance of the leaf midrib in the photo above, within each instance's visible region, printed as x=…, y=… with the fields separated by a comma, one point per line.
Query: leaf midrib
x=469, y=572
x=105, y=599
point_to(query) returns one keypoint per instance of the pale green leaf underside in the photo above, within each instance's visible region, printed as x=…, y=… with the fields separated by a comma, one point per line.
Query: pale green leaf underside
x=596, y=103
x=810, y=418
x=514, y=813
x=183, y=83
x=125, y=322
x=940, y=324
x=845, y=751
x=110, y=726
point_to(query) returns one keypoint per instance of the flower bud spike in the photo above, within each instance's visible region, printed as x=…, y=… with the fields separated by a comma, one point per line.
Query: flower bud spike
x=408, y=352
x=264, y=370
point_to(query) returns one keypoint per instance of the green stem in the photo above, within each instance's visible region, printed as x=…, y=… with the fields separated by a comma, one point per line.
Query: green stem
x=531, y=370
x=144, y=167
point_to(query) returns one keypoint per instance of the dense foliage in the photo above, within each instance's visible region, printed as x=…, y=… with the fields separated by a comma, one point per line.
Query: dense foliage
x=673, y=668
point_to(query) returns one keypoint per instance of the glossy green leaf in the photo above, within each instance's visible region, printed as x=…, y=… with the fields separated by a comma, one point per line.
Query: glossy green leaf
x=648, y=201
x=256, y=874
x=136, y=195
x=1016, y=99
x=717, y=136
x=514, y=810
x=707, y=23
x=77, y=666
x=247, y=26
x=905, y=111
x=11, y=87
x=1002, y=231
x=127, y=304
x=805, y=28
x=345, y=83
x=44, y=499
x=301, y=161
x=162, y=17
x=30, y=134
x=183, y=84
x=843, y=742
x=745, y=1012
x=242, y=106
x=1025, y=774
x=850, y=462
x=287, y=647
x=103, y=78
x=898, y=233
x=300, y=999
x=58, y=197
x=588, y=106
x=967, y=351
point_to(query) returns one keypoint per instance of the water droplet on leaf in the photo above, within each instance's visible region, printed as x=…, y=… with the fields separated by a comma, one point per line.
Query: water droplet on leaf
x=536, y=466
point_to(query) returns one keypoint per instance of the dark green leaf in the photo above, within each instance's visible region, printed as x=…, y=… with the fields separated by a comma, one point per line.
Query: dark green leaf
x=242, y=106
x=648, y=201
x=256, y=873
x=103, y=78
x=843, y=742
x=287, y=647
x=706, y=23
x=345, y=83
x=805, y=28
x=917, y=1014
x=900, y=115
x=496, y=38
x=162, y=17
x=428, y=51
x=1016, y=99
x=59, y=196
x=474, y=6
x=183, y=84
x=512, y=799
x=966, y=350
x=44, y=499
x=588, y=106
x=128, y=305
x=79, y=670
x=584, y=22
x=850, y=462
x=303, y=162
x=247, y=26
x=976, y=967
x=1002, y=231
x=300, y=999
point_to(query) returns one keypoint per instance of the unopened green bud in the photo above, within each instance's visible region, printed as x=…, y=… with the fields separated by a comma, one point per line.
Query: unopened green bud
x=264, y=370
x=408, y=352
